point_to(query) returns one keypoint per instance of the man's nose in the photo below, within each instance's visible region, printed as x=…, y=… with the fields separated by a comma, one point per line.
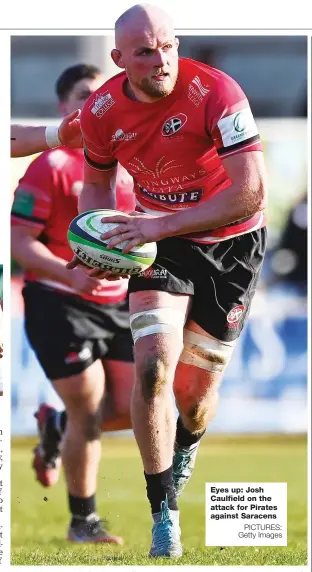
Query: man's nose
x=160, y=59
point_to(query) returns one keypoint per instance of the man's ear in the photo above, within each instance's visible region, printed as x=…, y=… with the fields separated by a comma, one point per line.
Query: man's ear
x=177, y=42
x=117, y=58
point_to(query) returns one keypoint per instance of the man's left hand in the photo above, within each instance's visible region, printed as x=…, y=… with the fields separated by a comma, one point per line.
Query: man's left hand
x=137, y=228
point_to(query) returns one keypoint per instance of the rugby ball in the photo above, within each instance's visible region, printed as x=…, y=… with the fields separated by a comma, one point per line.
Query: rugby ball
x=84, y=237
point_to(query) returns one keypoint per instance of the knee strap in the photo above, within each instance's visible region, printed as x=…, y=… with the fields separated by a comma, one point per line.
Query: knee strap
x=205, y=353
x=157, y=321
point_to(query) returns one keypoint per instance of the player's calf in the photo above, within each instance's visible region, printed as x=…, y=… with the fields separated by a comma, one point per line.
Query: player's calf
x=198, y=376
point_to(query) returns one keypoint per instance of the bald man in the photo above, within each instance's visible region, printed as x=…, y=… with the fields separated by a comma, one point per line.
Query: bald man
x=27, y=140
x=186, y=134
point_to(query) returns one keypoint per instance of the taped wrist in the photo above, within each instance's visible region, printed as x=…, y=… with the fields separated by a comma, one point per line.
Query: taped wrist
x=52, y=136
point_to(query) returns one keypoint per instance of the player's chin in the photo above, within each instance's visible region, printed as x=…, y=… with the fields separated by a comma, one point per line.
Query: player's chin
x=158, y=88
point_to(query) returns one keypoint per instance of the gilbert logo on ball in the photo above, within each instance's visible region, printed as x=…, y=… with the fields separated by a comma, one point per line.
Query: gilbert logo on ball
x=84, y=237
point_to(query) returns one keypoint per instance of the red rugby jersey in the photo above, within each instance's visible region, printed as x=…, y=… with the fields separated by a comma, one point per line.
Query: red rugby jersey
x=46, y=198
x=173, y=147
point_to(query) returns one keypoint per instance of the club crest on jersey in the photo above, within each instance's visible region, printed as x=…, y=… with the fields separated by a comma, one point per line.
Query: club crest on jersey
x=173, y=124
x=234, y=316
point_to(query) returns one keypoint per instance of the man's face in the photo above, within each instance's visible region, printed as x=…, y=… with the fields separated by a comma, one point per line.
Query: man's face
x=80, y=93
x=150, y=58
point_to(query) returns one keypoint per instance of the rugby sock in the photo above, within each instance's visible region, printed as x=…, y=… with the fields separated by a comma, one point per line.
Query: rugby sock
x=81, y=507
x=184, y=438
x=159, y=486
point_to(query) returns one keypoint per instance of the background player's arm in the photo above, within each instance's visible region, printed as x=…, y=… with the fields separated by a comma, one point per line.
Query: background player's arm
x=27, y=140
x=32, y=255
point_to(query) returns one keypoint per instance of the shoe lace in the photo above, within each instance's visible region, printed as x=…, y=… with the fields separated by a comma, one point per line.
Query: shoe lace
x=164, y=512
x=161, y=540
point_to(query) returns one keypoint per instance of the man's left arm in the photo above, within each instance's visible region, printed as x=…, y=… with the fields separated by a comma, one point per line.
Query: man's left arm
x=246, y=196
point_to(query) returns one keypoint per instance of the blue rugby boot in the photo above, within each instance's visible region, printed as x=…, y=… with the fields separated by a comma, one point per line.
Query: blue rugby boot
x=166, y=533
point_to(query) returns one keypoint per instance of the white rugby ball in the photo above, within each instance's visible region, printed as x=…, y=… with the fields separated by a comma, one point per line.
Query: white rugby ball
x=84, y=237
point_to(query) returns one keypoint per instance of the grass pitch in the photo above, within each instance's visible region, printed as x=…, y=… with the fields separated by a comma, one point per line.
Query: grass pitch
x=40, y=516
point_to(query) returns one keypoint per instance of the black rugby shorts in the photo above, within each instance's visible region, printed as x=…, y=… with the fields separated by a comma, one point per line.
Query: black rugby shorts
x=221, y=278
x=68, y=333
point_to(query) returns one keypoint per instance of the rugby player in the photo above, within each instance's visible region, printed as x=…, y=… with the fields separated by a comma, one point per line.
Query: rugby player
x=27, y=140
x=192, y=146
x=77, y=325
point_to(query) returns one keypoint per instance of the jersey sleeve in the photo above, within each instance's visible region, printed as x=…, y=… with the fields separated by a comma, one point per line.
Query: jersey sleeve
x=96, y=152
x=229, y=119
x=33, y=196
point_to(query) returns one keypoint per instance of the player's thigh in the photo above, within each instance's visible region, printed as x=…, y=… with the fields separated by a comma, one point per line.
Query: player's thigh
x=70, y=361
x=160, y=299
x=120, y=381
x=82, y=393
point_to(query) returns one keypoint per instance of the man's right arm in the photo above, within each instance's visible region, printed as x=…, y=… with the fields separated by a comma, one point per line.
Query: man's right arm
x=34, y=256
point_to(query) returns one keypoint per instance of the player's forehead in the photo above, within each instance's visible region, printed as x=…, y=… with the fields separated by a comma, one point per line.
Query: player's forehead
x=147, y=37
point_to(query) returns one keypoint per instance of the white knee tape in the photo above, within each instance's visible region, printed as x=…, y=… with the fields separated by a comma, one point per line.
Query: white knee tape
x=157, y=321
x=205, y=353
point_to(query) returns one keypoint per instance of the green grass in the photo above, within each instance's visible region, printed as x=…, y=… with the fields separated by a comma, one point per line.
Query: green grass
x=39, y=526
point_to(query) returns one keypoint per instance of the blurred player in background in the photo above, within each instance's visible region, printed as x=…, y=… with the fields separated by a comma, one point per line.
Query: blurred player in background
x=27, y=140
x=77, y=325
x=195, y=155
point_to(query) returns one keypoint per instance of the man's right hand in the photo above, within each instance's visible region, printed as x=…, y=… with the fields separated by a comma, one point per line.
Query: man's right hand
x=69, y=130
x=82, y=283
x=94, y=273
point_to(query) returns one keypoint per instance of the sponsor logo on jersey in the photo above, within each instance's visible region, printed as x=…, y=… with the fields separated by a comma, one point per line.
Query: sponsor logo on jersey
x=237, y=127
x=137, y=166
x=120, y=135
x=203, y=90
x=193, y=196
x=197, y=91
x=76, y=357
x=102, y=103
x=153, y=273
x=173, y=183
x=234, y=316
x=173, y=124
